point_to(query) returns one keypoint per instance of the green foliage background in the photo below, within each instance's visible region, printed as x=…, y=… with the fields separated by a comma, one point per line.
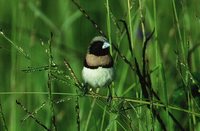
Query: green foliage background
x=28, y=23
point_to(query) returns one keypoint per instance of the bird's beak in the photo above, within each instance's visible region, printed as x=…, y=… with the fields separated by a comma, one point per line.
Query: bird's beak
x=105, y=45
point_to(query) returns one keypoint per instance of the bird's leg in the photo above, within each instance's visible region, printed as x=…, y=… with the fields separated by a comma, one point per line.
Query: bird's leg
x=85, y=89
x=109, y=99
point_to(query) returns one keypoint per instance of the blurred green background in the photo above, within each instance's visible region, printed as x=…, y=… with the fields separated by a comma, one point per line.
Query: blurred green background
x=173, y=56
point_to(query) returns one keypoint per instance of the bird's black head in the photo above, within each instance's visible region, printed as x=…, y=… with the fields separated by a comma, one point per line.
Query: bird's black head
x=99, y=46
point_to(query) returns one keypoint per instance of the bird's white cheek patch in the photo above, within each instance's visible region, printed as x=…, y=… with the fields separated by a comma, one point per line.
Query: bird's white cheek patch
x=99, y=77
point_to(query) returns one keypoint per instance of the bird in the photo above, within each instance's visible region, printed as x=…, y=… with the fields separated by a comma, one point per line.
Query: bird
x=98, y=70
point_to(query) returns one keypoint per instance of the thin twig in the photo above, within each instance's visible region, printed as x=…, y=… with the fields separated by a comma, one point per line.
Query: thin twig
x=53, y=122
x=34, y=112
x=18, y=48
x=40, y=68
x=151, y=89
x=146, y=83
x=77, y=82
x=89, y=18
x=144, y=51
x=32, y=116
x=77, y=108
x=128, y=35
x=124, y=58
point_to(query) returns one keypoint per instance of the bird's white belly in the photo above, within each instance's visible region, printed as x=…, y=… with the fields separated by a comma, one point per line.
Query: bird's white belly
x=99, y=77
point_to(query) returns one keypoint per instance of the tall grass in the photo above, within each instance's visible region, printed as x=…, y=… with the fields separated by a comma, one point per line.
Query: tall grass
x=156, y=84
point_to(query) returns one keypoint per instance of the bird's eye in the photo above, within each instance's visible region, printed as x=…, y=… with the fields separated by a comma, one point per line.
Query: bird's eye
x=105, y=45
